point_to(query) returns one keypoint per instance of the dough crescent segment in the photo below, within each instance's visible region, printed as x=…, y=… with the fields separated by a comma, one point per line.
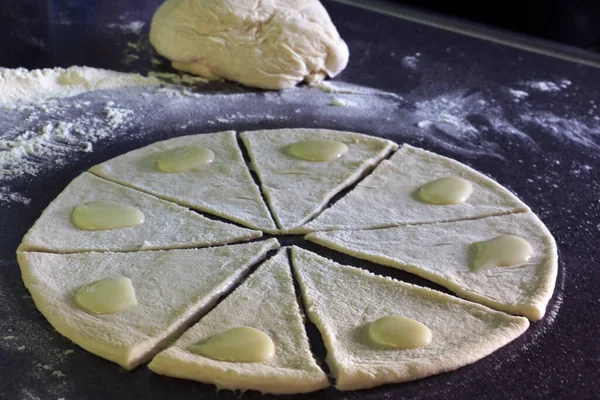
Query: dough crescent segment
x=166, y=225
x=341, y=301
x=296, y=189
x=266, y=301
x=173, y=288
x=389, y=196
x=224, y=188
x=443, y=253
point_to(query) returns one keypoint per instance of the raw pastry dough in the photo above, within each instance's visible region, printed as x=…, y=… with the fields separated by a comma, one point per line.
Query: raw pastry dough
x=270, y=44
x=297, y=189
x=173, y=289
x=267, y=302
x=389, y=196
x=224, y=188
x=166, y=225
x=443, y=253
x=342, y=301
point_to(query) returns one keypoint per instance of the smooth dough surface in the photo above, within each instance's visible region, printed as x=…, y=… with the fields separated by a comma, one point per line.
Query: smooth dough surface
x=389, y=196
x=166, y=225
x=173, y=289
x=342, y=301
x=443, y=253
x=224, y=188
x=297, y=189
x=266, y=301
x=270, y=44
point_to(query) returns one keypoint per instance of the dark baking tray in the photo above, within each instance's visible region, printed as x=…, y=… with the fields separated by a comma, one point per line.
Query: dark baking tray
x=553, y=170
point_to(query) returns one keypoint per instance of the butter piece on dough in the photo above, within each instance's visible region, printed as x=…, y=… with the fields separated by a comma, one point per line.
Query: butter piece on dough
x=443, y=253
x=389, y=196
x=267, y=302
x=342, y=301
x=173, y=288
x=166, y=225
x=297, y=189
x=223, y=188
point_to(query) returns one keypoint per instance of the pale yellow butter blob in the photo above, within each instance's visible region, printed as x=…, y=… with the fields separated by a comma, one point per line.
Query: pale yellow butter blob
x=183, y=159
x=318, y=150
x=103, y=215
x=502, y=251
x=107, y=296
x=243, y=344
x=399, y=333
x=446, y=191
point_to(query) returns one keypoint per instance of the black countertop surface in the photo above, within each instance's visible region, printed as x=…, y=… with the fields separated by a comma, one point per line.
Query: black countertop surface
x=449, y=93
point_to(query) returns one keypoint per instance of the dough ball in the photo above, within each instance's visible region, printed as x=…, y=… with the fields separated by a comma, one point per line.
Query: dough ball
x=270, y=44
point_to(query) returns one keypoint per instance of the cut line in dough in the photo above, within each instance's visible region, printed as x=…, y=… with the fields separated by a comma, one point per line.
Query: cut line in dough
x=297, y=189
x=166, y=225
x=389, y=196
x=342, y=301
x=267, y=302
x=173, y=288
x=223, y=188
x=443, y=253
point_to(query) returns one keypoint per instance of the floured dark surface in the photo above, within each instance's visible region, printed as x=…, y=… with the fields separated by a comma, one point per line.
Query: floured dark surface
x=460, y=97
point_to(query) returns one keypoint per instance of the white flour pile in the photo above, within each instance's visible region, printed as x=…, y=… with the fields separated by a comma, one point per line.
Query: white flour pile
x=466, y=123
x=22, y=85
x=43, y=128
x=52, y=117
x=410, y=62
x=130, y=27
x=518, y=94
x=566, y=128
x=61, y=130
x=547, y=86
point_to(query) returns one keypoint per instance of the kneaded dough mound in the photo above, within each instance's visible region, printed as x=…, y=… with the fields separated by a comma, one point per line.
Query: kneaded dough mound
x=270, y=44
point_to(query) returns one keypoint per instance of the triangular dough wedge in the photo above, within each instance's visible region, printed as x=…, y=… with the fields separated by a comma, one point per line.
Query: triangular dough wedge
x=166, y=225
x=389, y=196
x=173, y=289
x=342, y=301
x=224, y=188
x=443, y=253
x=266, y=301
x=295, y=189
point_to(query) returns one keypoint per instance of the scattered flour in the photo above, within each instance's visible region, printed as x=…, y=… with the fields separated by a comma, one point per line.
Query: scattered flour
x=34, y=348
x=179, y=79
x=410, y=62
x=54, y=140
x=115, y=117
x=328, y=87
x=463, y=123
x=8, y=196
x=131, y=27
x=22, y=85
x=518, y=94
x=39, y=130
x=340, y=102
x=449, y=111
x=58, y=374
x=43, y=135
x=547, y=86
x=565, y=128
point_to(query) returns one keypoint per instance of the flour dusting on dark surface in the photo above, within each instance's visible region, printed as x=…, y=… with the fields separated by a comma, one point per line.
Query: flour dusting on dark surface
x=528, y=121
